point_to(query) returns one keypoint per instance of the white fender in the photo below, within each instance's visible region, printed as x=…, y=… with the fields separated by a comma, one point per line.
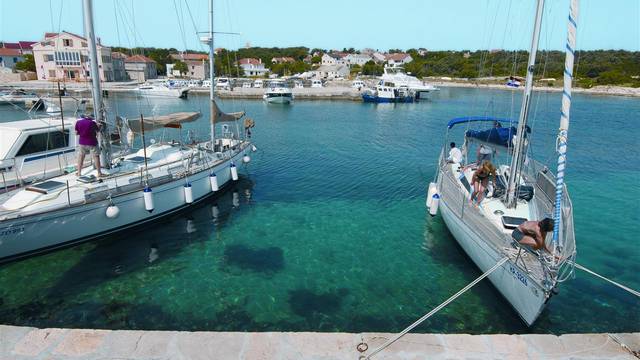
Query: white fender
x=213, y=180
x=246, y=159
x=435, y=202
x=234, y=172
x=112, y=211
x=433, y=189
x=188, y=193
x=148, y=199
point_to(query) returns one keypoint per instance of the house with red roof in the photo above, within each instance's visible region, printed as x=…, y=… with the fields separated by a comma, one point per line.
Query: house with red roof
x=140, y=68
x=23, y=46
x=9, y=58
x=197, y=65
x=398, y=59
x=65, y=55
x=252, y=67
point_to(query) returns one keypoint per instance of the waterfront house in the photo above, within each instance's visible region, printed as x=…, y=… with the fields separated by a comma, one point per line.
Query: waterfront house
x=357, y=59
x=331, y=71
x=65, y=55
x=252, y=67
x=197, y=65
x=334, y=58
x=282, y=60
x=9, y=58
x=23, y=46
x=378, y=57
x=117, y=62
x=398, y=59
x=140, y=68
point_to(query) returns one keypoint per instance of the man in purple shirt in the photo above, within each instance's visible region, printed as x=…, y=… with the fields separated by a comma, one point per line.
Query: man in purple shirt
x=87, y=131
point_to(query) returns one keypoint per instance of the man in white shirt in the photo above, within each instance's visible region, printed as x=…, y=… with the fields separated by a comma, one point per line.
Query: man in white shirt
x=455, y=155
x=484, y=153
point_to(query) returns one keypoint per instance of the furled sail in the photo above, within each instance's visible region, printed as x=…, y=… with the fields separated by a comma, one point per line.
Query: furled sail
x=173, y=120
x=220, y=116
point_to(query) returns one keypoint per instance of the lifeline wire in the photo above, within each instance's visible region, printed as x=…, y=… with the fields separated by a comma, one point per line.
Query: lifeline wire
x=439, y=307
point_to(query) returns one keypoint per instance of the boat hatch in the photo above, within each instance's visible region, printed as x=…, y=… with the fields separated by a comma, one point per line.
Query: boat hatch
x=511, y=222
x=46, y=187
x=137, y=159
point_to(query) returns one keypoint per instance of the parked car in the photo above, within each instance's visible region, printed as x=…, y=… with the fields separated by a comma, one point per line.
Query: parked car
x=206, y=83
x=316, y=83
x=257, y=84
x=246, y=85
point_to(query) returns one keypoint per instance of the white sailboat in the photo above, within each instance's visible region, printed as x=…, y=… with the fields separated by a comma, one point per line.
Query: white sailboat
x=154, y=182
x=162, y=90
x=523, y=190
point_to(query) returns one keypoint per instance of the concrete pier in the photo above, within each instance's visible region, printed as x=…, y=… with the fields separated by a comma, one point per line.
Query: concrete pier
x=31, y=343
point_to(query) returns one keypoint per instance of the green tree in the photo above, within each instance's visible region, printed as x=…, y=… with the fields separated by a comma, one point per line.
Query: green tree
x=316, y=60
x=371, y=68
x=181, y=67
x=28, y=64
x=355, y=69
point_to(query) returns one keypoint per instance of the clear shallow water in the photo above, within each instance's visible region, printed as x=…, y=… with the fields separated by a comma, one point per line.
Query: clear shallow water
x=328, y=230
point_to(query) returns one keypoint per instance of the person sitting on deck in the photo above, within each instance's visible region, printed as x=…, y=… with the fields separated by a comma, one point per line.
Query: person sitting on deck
x=455, y=155
x=480, y=180
x=484, y=153
x=87, y=131
x=533, y=233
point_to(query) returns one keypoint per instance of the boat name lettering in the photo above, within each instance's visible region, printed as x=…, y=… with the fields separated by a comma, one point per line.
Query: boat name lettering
x=12, y=231
x=518, y=275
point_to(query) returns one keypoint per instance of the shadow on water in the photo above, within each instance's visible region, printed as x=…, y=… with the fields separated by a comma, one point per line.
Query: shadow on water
x=143, y=247
x=268, y=260
x=307, y=303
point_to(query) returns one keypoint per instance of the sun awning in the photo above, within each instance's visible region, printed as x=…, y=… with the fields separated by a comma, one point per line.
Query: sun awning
x=220, y=116
x=173, y=120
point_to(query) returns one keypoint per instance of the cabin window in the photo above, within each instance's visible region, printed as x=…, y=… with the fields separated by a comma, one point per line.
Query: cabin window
x=43, y=142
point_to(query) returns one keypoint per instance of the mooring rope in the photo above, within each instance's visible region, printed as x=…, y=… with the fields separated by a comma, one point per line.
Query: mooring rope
x=625, y=288
x=439, y=307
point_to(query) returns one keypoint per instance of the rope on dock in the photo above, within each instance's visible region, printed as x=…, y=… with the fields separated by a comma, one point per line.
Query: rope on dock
x=438, y=308
x=625, y=288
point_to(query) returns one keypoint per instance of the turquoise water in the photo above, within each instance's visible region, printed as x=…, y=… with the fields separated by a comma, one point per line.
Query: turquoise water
x=327, y=230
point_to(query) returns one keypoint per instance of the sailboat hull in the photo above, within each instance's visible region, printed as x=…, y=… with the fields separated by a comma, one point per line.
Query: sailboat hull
x=27, y=236
x=524, y=295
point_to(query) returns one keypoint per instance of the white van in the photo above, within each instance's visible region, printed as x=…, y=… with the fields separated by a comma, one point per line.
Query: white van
x=206, y=83
x=316, y=83
x=257, y=83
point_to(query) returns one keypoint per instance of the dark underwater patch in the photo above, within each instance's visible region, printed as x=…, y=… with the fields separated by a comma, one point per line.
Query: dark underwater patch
x=267, y=260
x=305, y=302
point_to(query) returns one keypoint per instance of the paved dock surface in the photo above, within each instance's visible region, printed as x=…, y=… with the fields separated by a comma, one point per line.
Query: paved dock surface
x=31, y=343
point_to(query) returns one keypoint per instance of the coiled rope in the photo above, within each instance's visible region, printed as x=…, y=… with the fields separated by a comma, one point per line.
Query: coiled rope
x=438, y=308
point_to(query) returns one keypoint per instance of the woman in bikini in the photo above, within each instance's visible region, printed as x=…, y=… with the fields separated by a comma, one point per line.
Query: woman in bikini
x=480, y=180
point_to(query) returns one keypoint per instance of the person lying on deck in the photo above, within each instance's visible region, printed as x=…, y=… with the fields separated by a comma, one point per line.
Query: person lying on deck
x=533, y=233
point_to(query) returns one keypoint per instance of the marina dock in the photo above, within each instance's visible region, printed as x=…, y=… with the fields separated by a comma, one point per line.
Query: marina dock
x=31, y=343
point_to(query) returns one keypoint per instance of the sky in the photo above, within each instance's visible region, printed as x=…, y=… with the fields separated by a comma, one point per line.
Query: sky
x=331, y=24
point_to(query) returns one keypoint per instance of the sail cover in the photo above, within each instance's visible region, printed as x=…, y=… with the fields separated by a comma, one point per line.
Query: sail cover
x=173, y=120
x=220, y=116
x=499, y=136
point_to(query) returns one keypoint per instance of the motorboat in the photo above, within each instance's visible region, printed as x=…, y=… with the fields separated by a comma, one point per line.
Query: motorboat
x=163, y=90
x=398, y=76
x=17, y=96
x=388, y=92
x=522, y=190
x=278, y=92
x=223, y=83
x=36, y=149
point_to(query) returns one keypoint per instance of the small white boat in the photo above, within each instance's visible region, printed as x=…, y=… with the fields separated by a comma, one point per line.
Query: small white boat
x=162, y=90
x=17, y=96
x=223, y=84
x=278, y=92
x=35, y=150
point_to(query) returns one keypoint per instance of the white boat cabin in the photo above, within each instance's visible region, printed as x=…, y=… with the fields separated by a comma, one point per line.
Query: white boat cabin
x=35, y=149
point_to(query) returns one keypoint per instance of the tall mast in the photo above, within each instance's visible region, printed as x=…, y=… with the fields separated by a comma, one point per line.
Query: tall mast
x=563, y=131
x=96, y=91
x=519, y=146
x=211, y=76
